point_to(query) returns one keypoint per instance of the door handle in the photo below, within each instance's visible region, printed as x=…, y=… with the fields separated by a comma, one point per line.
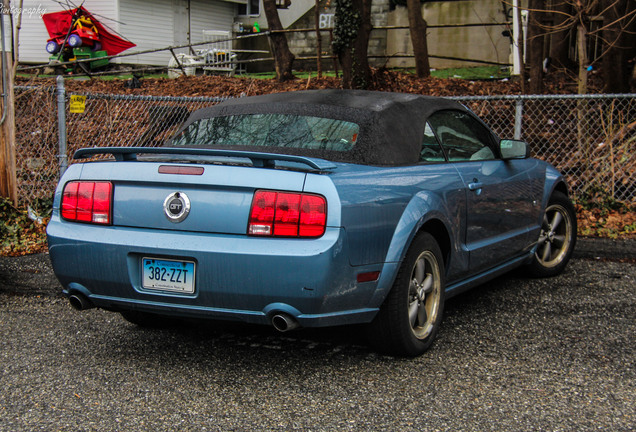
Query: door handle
x=475, y=185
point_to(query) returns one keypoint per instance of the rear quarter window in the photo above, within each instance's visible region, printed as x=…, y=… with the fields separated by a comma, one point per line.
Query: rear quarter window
x=271, y=130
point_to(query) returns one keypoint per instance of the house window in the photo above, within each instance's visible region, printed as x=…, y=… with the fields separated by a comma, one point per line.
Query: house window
x=252, y=7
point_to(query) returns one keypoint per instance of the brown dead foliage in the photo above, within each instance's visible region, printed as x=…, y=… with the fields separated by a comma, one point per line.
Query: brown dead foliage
x=601, y=222
x=382, y=80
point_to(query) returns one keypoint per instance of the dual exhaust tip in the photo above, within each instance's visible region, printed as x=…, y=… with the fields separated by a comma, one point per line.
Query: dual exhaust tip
x=80, y=302
x=281, y=321
x=284, y=322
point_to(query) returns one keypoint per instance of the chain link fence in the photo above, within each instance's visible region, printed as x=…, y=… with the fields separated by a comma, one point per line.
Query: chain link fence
x=104, y=120
x=591, y=139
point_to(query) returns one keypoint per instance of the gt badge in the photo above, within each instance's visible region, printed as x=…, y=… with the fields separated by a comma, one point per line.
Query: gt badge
x=176, y=207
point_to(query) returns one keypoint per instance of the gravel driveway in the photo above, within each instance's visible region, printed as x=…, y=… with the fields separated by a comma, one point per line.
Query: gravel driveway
x=516, y=354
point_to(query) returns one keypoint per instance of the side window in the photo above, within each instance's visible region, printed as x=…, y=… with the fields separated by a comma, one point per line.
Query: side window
x=463, y=138
x=431, y=150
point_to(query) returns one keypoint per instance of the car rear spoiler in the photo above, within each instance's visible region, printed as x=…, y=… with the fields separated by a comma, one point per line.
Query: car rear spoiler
x=259, y=160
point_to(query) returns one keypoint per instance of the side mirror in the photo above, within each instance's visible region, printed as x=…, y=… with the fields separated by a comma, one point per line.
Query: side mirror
x=514, y=149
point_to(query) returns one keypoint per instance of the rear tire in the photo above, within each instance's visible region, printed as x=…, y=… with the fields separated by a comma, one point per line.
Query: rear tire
x=557, y=238
x=410, y=317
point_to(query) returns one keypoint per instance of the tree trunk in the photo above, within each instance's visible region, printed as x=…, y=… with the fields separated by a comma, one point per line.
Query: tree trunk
x=581, y=44
x=352, y=49
x=418, y=28
x=559, y=48
x=535, y=46
x=619, y=37
x=283, y=57
x=582, y=133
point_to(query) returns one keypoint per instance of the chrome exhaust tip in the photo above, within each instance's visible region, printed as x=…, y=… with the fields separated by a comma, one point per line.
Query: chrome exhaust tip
x=283, y=322
x=80, y=302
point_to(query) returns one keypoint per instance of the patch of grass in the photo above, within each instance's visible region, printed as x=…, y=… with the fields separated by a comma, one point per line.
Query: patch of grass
x=469, y=73
x=473, y=73
x=297, y=74
x=129, y=76
x=114, y=76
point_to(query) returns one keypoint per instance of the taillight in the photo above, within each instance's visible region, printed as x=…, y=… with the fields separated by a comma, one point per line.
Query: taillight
x=87, y=201
x=287, y=214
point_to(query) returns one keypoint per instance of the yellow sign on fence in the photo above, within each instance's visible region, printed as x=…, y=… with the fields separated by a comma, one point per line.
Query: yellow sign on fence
x=78, y=104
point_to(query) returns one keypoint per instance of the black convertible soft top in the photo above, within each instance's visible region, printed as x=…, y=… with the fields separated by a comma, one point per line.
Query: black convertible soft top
x=391, y=124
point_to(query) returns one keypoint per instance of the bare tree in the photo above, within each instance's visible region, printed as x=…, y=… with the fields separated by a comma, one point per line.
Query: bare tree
x=283, y=57
x=560, y=11
x=418, y=28
x=351, y=41
x=619, y=21
x=619, y=35
x=535, y=53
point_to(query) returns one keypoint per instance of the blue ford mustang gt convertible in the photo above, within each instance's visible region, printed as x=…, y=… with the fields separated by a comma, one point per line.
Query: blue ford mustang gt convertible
x=311, y=209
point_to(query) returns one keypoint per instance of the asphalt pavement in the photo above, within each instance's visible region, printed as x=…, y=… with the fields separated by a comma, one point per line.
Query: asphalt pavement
x=516, y=354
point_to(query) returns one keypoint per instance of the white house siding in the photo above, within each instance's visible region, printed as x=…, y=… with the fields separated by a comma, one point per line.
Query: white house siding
x=149, y=24
x=164, y=23
x=210, y=15
x=33, y=35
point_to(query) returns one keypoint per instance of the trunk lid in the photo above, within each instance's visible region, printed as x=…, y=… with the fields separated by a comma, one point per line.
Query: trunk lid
x=219, y=198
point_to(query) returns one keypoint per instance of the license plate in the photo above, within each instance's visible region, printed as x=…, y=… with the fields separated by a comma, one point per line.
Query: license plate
x=168, y=275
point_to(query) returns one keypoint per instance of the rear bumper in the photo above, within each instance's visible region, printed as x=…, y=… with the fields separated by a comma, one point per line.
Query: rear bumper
x=237, y=277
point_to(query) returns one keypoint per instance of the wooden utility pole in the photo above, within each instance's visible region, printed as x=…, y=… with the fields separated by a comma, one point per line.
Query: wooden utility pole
x=8, y=184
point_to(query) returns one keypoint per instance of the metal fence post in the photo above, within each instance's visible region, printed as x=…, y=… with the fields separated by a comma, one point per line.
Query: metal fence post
x=61, y=124
x=518, y=118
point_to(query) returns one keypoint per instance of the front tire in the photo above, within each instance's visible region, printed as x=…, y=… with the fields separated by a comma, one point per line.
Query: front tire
x=410, y=317
x=557, y=239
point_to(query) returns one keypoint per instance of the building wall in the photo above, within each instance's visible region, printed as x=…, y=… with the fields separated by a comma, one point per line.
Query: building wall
x=305, y=44
x=210, y=15
x=148, y=27
x=481, y=43
x=170, y=17
x=386, y=45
